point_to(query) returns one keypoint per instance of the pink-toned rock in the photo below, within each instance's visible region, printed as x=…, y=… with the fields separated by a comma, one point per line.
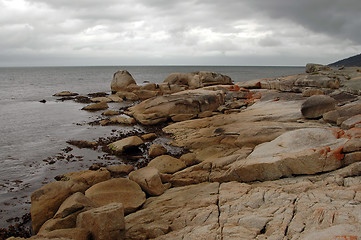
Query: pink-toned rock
x=351, y=122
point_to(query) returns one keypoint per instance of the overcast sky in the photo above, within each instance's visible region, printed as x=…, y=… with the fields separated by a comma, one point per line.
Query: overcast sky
x=184, y=32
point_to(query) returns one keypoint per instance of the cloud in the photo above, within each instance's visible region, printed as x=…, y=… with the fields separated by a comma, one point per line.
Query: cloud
x=273, y=32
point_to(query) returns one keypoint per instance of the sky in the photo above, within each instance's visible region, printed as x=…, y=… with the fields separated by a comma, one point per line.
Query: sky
x=186, y=32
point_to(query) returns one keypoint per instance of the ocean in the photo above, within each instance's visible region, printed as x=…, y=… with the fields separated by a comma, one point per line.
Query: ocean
x=32, y=133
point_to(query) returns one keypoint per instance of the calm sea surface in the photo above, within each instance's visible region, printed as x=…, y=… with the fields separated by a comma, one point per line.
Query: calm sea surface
x=32, y=131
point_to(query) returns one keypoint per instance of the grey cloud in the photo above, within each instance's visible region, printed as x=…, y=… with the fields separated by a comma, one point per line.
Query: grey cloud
x=188, y=30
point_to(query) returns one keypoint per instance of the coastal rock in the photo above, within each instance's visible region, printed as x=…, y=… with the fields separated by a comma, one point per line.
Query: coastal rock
x=87, y=177
x=167, y=164
x=312, y=68
x=115, y=98
x=354, y=121
x=352, y=145
x=101, y=99
x=96, y=106
x=193, y=102
x=121, y=80
x=110, y=113
x=197, y=79
x=340, y=114
x=317, y=105
x=149, y=86
x=65, y=94
x=122, y=120
x=126, y=144
x=67, y=213
x=157, y=150
x=82, y=143
x=104, y=223
x=120, y=170
x=190, y=212
x=130, y=96
x=303, y=151
x=149, y=136
x=146, y=94
x=46, y=200
x=117, y=190
x=65, y=234
x=149, y=180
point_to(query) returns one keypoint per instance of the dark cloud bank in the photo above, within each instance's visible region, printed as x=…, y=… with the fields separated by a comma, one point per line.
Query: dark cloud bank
x=152, y=32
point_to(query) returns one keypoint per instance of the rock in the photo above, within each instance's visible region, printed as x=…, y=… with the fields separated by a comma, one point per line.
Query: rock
x=123, y=120
x=101, y=99
x=106, y=222
x=117, y=190
x=167, y=164
x=341, y=231
x=121, y=80
x=115, y=98
x=146, y=94
x=351, y=122
x=308, y=92
x=156, y=150
x=352, y=145
x=149, y=180
x=68, y=234
x=189, y=159
x=75, y=203
x=315, y=106
x=125, y=144
x=182, y=117
x=120, y=170
x=83, y=144
x=110, y=113
x=127, y=96
x=352, y=158
x=303, y=151
x=98, y=94
x=87, y=177
x=159, y=109
x=251, y=84
x=67, y=213
x=65, y=94
x=149, y=86
x=96, y=106
x=149, y=136
x=46, y=200
x=177, y=78
x=189, y=212
x=312, y=68
x=342, y=113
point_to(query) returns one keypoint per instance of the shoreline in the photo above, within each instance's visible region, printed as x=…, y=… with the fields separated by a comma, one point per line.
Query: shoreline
x=215, y=143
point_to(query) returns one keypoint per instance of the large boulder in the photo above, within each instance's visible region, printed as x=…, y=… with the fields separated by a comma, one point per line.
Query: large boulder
x=191, y=103
x=315, y=106
x=117, y=190
x=46, y=200
x=121, y=81
x=106, y=222
x=149, y=180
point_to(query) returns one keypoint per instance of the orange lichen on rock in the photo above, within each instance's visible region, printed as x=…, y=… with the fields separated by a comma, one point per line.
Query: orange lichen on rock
x=337, y=153
x=338, y=132
x=353, y=133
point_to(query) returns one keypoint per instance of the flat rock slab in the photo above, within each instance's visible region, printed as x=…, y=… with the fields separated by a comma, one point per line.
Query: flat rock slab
x=117, y=190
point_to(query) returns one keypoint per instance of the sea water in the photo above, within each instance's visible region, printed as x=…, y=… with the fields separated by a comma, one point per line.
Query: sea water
x=31, y=131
